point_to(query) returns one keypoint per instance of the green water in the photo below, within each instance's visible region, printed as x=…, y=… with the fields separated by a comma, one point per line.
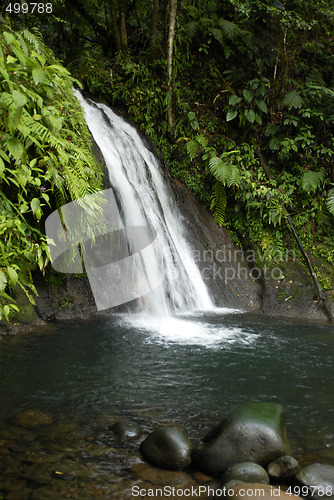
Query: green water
x=186, y=367
x=191, y=370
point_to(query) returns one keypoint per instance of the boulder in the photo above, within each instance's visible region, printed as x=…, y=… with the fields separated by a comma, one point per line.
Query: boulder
x=254, y=491
x=248, y=472
x=319, y=479
x=283, y=468
x=125, y=429
x=252, y=432
x=168, y=448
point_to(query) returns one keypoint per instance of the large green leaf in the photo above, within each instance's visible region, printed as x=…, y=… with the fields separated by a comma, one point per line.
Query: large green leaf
x=248, y=95
x=231, y=114
x=293, y=100
x=3, y=281
x=234, y=99
x=8, y=37
x=250, y=115
x=224, y=171
x=192, y=149
x=15, y=147
x=14, y=120
x=262, y=106
x=19, y=98
x=231, y=30
x=5, y=99
x=12, y=274
x=36, y=207
x=38, y=75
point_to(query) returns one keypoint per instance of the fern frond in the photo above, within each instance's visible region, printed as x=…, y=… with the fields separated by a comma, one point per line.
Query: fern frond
x=218, y=203
x=293, y=100
x=192, y=149
x=312, y=180
x=218, y=35
x=230, y=30
x=330, y=201
x=191, y=28
x=31, y=40
x=60, y=198
x=193, y=11
x=224, y=172
x=314, y=77
x=202, y=140
x=235, y=178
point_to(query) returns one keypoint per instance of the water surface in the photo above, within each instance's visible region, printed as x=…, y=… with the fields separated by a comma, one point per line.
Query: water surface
x=187, y=366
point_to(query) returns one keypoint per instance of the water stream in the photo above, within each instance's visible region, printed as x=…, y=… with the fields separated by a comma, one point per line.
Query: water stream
x=144, y=199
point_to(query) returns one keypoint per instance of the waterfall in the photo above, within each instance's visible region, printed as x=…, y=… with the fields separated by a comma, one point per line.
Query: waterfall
x=144, y=199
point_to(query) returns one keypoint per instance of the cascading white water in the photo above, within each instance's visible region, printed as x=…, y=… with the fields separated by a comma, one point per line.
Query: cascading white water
x=144, y=199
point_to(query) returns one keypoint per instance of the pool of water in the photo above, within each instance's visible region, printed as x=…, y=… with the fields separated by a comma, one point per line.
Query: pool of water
x=189, y=369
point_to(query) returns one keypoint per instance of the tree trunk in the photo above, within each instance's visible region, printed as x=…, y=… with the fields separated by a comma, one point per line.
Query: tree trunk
x=170, y=46
x=320, y=293
x=124, y=35
x=154, y=30
x=114, y=11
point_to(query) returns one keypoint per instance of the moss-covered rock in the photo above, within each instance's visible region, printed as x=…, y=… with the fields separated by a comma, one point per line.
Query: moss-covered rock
x=252, y=432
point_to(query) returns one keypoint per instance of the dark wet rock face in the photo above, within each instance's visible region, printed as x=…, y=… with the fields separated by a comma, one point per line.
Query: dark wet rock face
x=319, y=479
x=248, y=472
x=224, y=267
x=168, y=448
x=252, y=432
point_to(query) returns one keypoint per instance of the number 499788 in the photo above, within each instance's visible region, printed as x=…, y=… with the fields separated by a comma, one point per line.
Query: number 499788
x=25, y=8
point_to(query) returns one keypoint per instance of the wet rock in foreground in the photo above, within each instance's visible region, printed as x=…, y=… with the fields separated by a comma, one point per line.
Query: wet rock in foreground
x=283, y=468
x=125, y=429
x=319, y=479
x=248, y=472
x=252, y=432
x=168, y=448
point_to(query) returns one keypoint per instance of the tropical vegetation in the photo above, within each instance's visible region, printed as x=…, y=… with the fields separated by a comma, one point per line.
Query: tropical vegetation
x=45, y=157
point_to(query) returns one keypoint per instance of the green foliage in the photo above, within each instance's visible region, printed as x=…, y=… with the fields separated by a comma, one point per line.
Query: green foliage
x=248, y=76
x=218, y=203
x=311, y=181
x=330, y=201
x=292, y=100
x=44, y=157
x=224, y=171
x=325, y=281
x=251, y=105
